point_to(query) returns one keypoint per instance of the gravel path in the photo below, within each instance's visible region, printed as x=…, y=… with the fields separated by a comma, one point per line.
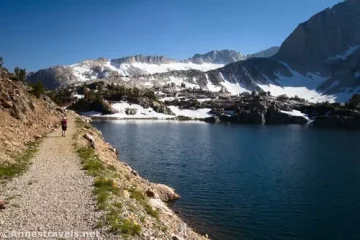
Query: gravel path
x=54, y=194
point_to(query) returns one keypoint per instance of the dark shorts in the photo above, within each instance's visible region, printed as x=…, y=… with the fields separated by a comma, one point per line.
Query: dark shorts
x=64, y=128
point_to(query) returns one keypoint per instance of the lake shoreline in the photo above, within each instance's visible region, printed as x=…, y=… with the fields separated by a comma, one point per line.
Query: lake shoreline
x=229, y=178
x=157, y=193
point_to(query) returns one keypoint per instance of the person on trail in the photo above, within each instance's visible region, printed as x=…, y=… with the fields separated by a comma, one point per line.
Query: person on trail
x=64, y=126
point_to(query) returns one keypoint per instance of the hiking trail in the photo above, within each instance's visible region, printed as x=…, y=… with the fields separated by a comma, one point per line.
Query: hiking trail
x=54, y=194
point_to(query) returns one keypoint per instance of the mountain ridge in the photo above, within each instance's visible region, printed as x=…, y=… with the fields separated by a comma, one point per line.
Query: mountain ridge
x=307, y=63
x=137, y=65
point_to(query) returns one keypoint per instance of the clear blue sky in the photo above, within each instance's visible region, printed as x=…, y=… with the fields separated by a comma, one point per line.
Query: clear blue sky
x=36, y=34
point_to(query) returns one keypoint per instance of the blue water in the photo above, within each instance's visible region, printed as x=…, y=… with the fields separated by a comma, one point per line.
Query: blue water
x=250, y=182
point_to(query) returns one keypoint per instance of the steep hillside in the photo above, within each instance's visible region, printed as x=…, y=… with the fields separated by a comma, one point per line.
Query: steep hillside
x=24, y=117
x=325, y=36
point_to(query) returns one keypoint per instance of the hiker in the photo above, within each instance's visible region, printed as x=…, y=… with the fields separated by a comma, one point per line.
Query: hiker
x=63, y=126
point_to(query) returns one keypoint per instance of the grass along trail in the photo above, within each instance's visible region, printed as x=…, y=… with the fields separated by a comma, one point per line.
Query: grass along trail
x=54, y=194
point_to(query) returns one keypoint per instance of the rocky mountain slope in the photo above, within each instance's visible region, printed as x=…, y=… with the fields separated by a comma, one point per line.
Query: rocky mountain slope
x=219, y=57
x=136, y=66
x=24, y=117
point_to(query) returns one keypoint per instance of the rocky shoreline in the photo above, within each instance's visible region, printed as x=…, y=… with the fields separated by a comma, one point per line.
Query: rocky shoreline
x=157, y=194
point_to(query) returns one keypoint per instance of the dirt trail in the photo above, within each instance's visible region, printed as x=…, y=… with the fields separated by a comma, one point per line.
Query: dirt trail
x=54, y=194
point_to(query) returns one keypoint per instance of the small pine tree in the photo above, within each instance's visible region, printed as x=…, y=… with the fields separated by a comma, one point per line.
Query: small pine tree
x=38, y=89
x=150, y=94
x=20, y=74
x=16, y=70
x=136, y=92
x=1, y=61
x=354, y=101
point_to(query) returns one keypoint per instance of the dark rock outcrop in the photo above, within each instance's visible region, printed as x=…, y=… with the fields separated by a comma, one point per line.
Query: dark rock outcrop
x=300, y=120
x=251, y=117
x=161, y=108
x=97, y=105
x=353, y=123
x=214, y=119
x=166, y=193
x=337, y=121
x=130, y=111
x=275, y=116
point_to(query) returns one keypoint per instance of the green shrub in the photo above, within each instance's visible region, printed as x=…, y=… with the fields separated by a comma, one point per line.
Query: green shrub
x=136, y=92
x=130, y=228
x=119, y=225
x=151, y=211
x=105, y=184
x=150, y=94
x=20, y=74
x=142, y=199
x=55, y=97
x=354, y=101
x=137, y=195
x=38, y=89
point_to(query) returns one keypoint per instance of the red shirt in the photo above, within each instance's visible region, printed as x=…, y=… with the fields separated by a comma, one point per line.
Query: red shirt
x=64, y=122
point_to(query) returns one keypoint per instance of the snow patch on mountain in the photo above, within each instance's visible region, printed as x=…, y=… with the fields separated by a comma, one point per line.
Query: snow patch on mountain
x=162, y=68
x=141, y=112
x=233, y=88
x=149, y=113
x=303, y=86
x=295, y=113
x=210, y=86
x=302, y=92
x=178, y=81
x=79, y=72
x=198, y=113
x=85, y=70
x=146, y=68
